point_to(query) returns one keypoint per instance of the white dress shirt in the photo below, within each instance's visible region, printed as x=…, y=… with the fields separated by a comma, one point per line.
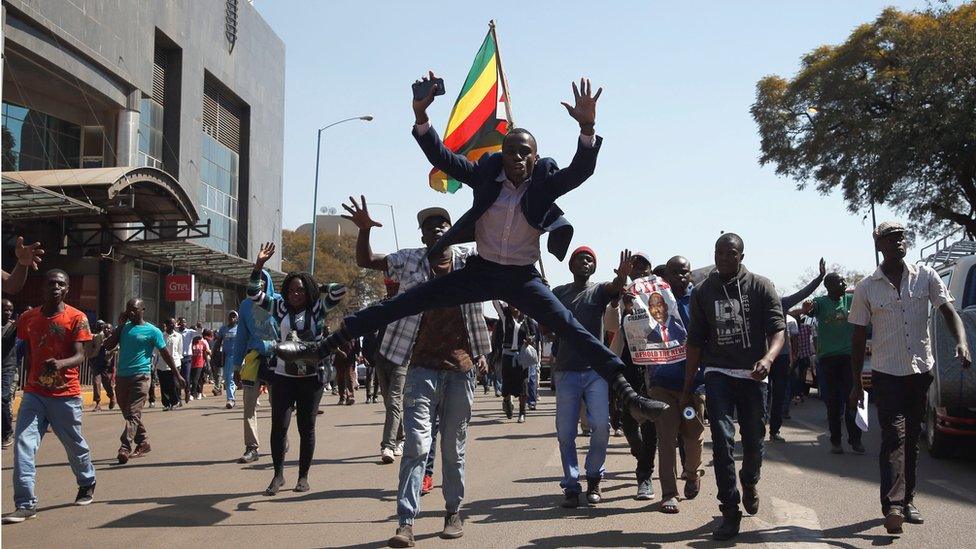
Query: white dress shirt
x=502, y=233
x=900, y=343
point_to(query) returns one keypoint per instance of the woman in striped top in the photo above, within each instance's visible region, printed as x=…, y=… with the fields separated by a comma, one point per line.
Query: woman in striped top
x=300, y=312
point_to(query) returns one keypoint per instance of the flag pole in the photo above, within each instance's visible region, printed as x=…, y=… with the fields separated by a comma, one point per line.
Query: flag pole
x=508, y=101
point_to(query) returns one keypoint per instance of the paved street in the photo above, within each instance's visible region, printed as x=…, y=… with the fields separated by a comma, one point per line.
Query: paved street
x=189, y=492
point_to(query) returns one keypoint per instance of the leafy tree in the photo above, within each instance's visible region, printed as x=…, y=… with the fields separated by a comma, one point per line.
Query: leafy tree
x=889, y=117
x=335, y=261
x=9, y=158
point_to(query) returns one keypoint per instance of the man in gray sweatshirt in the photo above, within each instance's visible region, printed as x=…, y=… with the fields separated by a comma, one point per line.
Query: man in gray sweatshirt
x=735, y=331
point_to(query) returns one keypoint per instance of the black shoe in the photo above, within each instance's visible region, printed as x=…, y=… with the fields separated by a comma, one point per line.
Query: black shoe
x=836, y=448
x=644, y=409
x=250, y=455
x=750, y=499
x=273, y=488
x=86, y=495
x=729, y=527
x=403, y=537
x=857, y=447
x=20, y=515
x=593, y=494
x=894, y=518
x=571, y=501
x=507, y=407
x=292, y=351
x=776, y=437
x=912, y=516
x=453, y=526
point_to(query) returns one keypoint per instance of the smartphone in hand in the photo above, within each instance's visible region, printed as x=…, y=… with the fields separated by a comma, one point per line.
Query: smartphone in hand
x=422, y=88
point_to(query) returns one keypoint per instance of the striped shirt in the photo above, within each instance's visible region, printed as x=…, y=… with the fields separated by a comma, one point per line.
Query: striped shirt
x=900, y=344
x=410, y=268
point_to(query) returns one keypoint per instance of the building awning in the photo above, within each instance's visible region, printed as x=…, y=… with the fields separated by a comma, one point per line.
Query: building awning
x=22, y=202
x=196, y=259
x=123, y=194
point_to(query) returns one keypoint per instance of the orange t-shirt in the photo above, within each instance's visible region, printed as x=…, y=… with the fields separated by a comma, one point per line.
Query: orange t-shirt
x=53, y=337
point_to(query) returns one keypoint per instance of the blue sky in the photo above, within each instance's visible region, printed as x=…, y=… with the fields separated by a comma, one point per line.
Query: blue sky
x=679, y=160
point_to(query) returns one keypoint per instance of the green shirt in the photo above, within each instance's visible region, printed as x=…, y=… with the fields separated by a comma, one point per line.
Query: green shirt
x=833, y=330
x=136, y=346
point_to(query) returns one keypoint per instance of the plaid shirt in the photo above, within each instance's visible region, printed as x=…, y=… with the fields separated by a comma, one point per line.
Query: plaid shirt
x=804, y=341
x=410, y=268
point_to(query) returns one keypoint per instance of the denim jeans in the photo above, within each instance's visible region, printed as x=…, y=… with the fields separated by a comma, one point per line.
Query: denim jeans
x=836, y=382
x=573, y=386
x=229, y=386
x=724, y=395
x=8, y=400
x=63, y=415
x=451, y=395
x=481, y=280
x=432, y=455
x=391, y=376
x=779, y=390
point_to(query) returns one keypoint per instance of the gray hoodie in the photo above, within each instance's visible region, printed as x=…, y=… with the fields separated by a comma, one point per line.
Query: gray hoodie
x=731, y=320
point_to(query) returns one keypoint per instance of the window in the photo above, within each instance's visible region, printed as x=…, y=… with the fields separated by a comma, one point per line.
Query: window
x=150, y=133
x=33, y=140
x=220, y=166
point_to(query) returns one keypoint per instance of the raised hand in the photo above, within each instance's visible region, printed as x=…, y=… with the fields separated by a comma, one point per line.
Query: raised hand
x=420, y=105
x=29, y=255
x=359, y=214
x=626, y=266
x=266, y=253
x=823, y=268
x=584, y=111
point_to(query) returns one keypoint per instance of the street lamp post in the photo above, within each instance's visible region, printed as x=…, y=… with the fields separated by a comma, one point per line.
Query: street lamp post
x=315, y=195
x=396, y=240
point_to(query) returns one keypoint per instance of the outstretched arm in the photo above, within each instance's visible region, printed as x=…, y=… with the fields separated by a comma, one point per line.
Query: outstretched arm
x=28, y=257
x=254, y=291
x=584, y=162
x=358, y=214
x=791, y=301
x=441, y=157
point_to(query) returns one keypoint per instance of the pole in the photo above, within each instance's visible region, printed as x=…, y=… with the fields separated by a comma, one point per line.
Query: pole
x=315, y=201
x=874, y=225
x=502, y=77
x=396, y=240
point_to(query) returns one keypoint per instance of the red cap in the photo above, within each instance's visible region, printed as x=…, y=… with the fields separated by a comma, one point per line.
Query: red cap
x=583, y=249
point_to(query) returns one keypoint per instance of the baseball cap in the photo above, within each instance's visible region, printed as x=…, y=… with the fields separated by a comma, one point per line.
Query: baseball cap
x=888, y=227
x=642, y=255
x=434, y=211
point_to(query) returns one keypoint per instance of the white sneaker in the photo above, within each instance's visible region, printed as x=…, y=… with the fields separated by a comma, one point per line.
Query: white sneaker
x=258, y=402
x=398, y=449
x=152, y=404
x=521, y=418
x=387, y=455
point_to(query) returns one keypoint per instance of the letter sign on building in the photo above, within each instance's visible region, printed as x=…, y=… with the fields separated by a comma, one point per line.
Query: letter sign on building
x=180, y=288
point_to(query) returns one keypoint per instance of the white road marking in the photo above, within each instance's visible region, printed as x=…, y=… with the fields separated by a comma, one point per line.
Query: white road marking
x=954, y=489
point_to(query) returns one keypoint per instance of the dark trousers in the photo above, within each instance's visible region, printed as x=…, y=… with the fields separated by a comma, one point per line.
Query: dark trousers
x=196, y=380
x=800, y=380
x=187, y=369
x=103, y=379
x=901, y=406
x=153, y=379
x=836, y=382
x=132, y=392
x=483, y=280
x=169, y=391
x=344, y=372
x=8, y=400
x=779, y=388
x=643, y=444
x=304, y=393
x=725, y=395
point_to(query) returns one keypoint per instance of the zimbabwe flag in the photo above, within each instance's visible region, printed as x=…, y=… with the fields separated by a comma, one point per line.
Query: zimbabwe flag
x=474, y=127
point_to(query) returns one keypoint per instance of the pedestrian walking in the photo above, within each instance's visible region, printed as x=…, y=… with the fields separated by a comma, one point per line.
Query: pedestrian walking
x=169, y=388
x=55, y=334
x=225, y=345
x=201, y=354
x=9, y=372
x=516, y=328
x=895, y=301
x=103, y=367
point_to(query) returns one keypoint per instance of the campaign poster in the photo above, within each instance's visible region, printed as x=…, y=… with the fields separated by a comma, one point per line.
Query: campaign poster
x=655, y=333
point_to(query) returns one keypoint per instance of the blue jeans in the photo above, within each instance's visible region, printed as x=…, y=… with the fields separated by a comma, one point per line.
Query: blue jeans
x=483, y=280
x=64, y=416
x=229, y=378
x=8, y=400
x=432, y=455
x=747, y=398
x=533, y=396
x=449, y=394
x=571, y=387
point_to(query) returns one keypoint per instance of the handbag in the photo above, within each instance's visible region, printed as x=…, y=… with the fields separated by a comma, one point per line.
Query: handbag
x=306, y=334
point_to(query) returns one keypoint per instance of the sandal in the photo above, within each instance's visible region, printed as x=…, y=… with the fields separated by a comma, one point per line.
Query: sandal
x=670, y=506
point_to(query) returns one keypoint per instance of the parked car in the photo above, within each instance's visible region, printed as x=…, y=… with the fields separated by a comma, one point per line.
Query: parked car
x=950, y=413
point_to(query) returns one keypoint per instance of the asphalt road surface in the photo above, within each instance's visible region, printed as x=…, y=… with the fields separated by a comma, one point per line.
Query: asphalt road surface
x=189, y=492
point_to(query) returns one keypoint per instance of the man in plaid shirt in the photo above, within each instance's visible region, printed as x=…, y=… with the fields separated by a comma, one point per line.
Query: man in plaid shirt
x=410, y=267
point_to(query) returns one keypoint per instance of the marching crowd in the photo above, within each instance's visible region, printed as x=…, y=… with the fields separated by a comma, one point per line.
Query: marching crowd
x=648, y=355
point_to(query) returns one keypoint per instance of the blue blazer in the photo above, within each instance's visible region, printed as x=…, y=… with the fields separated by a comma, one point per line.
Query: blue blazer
x=546, y=184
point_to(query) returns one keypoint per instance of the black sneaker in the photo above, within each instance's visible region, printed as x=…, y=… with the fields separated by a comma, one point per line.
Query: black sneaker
x=403, y=537
x=776, y=437
x=593, y=494
x=86, y=495
x=20, y=515
x=729, y=527
x=571, y=501
x=836, y=448
x=453, y=526
x=857, y=447
x=250, y=455
x=750, y=499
